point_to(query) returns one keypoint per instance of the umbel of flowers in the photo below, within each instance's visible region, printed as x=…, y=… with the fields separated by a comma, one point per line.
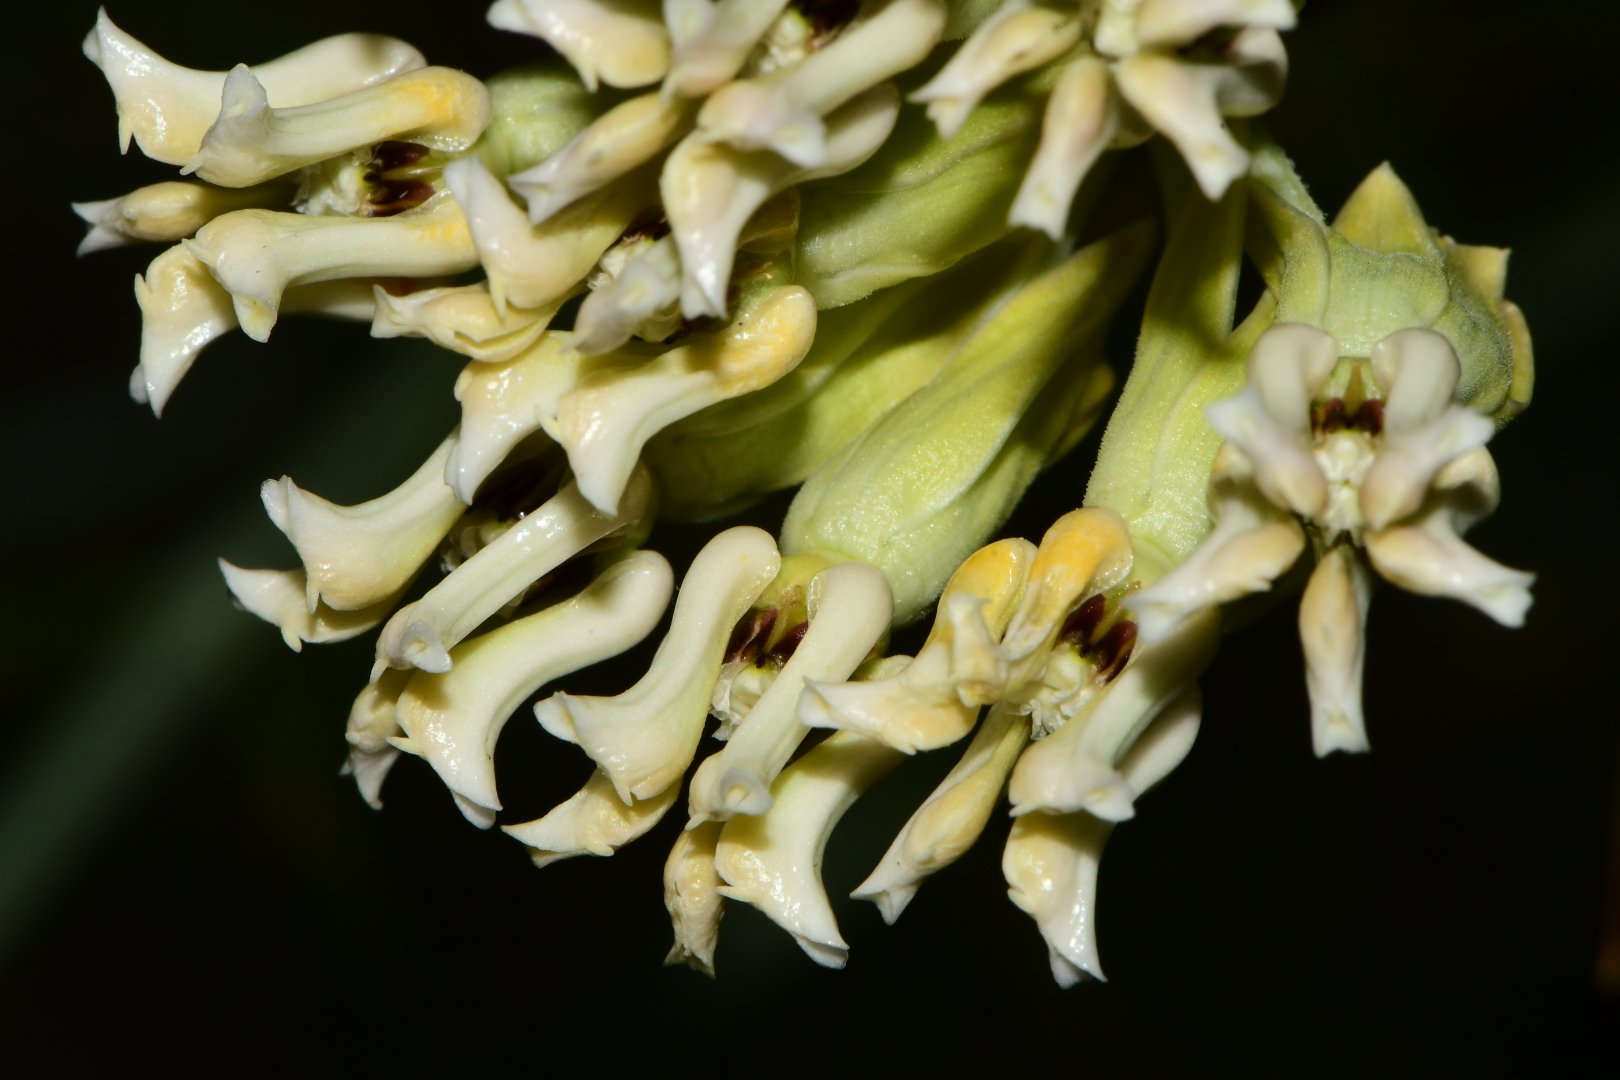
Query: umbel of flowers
x=721, y=248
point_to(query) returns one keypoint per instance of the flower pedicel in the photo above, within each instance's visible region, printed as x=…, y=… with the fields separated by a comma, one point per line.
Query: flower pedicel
x=871, y=251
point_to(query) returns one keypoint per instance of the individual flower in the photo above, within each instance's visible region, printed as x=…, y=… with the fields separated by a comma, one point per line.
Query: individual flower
x=323, y=171
x=1124, y=70
x=1080, y=723
x=1360, y=428
x=1379, y=468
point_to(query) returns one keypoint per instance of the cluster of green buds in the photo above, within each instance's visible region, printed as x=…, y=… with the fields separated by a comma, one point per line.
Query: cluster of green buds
x=871, y=250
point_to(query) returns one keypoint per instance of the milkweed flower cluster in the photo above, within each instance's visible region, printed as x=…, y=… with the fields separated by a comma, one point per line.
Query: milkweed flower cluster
x=872, y=251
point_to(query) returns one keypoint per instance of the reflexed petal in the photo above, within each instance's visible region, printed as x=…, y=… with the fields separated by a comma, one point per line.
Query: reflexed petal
x=605, y=420
x=553, y=387
x=710, y=191
x=183, y=309
x=461, y=318
x=371, y=724
x=622, y=42
x=258, y=254
x=422, y=633
x=1019, y=37
x=1186, y=101
x=169, y=108
x=713, y=40
x=356, y=556
x=783, y=111
x=1080, y=121
x=644, y=739
x=1333, y=632
x=692, y=896
x=252, y=141
x=1255, y=64
x=1179, y=100
x=1252, y=544
x=280, y=597
x=1050, y=864
x=644, y=295
x=454, y=719
x=1084, y=552
x=619, y=140
x=1270, y=418
x=849, y=607
x=773, y=860
x=1428, y=556
x=592, y=821
x=167, y=212
x=503, y=403
x=1078, y=767
x=1423, y=429
x=1051, y=860
x=1181, y=22
x=537, y=266
x=934, y=700
x=951, y=819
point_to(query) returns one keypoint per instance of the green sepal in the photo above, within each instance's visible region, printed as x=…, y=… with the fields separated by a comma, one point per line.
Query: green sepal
x=1378, y=267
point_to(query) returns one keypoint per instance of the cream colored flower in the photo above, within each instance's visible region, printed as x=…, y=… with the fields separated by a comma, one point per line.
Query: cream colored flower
x=750, y=265
x=1177, y=67
x=326, y=164
x=1377, y=464
x=619, y=42
x=452, y=718
x=1079, y=725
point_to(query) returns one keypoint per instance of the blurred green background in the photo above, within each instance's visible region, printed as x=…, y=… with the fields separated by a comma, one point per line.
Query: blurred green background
x=181, y=866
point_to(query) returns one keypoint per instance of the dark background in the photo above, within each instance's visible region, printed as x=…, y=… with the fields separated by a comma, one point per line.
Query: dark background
x=181, y=869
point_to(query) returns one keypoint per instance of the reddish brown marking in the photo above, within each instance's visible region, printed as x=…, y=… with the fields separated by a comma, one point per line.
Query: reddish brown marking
x=1330, y=416
x=789, y=644
x=395, y=154
x=512, y=494
x=1370, y=417
x=654, y=227
x=1327, y=416
x=1083, y=621
x=748, y=637
x=1112, y=652
x=827, y=16
x=390, y=197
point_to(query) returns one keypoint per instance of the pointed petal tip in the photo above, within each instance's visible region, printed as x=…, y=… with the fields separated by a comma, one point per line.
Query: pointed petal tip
x=555, y=716
x=1338, y=733
x=476, y=813
x=834, y=956
x=891, y=901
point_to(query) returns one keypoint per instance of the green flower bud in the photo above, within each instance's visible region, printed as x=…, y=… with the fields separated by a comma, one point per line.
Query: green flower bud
x=868, y=357
x=921, y=202
x=536, y=109
x=922, y=488
x=1376, y=270
x=1154, y=462
x=1379, y=268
